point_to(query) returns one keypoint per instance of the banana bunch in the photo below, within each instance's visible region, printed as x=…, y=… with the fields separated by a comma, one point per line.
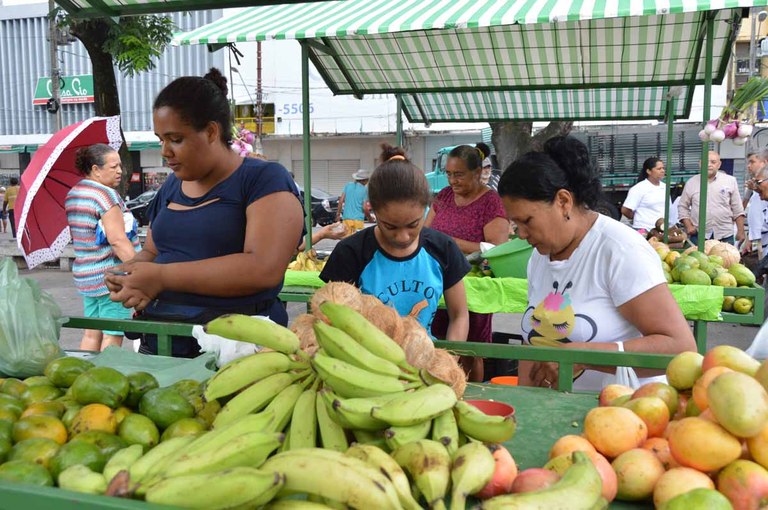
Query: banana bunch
x=358, y=384
x=307, y=261
x=288, y=419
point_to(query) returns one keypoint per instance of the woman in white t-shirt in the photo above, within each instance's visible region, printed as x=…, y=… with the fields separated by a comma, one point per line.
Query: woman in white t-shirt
x=644, y=204
x=592, y=282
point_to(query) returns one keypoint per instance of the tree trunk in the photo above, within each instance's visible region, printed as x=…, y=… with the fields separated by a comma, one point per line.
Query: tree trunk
x=93, y=33
x=513, y=139
x=510, y=139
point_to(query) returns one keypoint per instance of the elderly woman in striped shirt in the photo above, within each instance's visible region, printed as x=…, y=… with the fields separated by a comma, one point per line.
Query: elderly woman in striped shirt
x=95, y=213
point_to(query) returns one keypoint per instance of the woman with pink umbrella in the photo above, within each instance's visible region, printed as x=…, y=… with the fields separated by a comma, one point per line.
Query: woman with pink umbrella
x=95, y=213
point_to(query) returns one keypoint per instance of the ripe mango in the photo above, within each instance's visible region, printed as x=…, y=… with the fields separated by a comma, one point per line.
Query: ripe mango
x=739, y=403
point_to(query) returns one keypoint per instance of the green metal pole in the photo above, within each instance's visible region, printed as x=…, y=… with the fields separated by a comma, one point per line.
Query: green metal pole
x=305, y=144
x=399, y=120
x=668, y=180
x=705, y=145
x=700, y=327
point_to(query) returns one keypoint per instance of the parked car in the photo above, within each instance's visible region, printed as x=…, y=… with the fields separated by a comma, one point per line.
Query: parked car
x=324, y=206
x=139, y=205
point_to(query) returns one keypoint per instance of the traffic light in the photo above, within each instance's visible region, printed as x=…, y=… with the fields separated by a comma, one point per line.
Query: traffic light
x=52, y=105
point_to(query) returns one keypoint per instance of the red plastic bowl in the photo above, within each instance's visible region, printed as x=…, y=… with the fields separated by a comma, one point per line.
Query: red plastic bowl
x=492, y=407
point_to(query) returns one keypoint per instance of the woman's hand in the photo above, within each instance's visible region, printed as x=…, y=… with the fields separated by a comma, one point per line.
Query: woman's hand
x=331, y=231
x=543, y=374
x=139, y=287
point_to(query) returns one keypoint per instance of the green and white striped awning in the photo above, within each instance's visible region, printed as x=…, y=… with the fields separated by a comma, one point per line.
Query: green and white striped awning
x=533, y=105
x=111, y=8
x=536, y=58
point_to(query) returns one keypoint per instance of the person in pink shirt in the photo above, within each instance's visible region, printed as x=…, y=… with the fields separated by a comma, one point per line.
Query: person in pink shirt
x=471, y=213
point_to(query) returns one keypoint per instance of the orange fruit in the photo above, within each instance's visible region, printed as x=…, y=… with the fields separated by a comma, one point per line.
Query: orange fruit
x=184, y=427
x=11, y=403
x=62, y=372
x=48, y=408
x=77, y=452
x=39, y=450
x=41, y=393
x=108, y=444
x=5, y=449
x=69, y=416
x=138, y=429
x=6, y=430
x=94, y=417
x=22, y=471
x=8, y=414
x=39, y=426
x=13, y=387
x=37, y=380
x=120, y=414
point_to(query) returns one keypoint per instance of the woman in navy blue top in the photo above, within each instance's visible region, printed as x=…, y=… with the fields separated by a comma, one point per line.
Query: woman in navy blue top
x=222, y=228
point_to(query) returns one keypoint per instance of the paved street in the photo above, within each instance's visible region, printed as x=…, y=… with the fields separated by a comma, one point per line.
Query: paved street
x=60, y=285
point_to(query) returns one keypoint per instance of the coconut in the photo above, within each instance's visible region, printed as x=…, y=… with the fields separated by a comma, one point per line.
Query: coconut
x=445, y=366
x=303, y=327
x=369, y=302
x=382, y=316
x=341, y=293
x=416, y=343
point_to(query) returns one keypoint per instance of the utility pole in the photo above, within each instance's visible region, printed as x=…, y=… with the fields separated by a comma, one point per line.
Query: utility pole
x=259, y=105
x=55, y=72
x=752, y=41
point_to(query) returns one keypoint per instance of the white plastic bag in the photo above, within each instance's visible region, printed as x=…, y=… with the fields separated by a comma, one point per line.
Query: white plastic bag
x=759, y=347
x=225, y=349
x=624, y=375
x=131, y=229
x=484, y=247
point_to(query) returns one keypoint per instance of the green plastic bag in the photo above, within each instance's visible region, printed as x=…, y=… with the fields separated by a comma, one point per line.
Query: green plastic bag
x=30, y=323
x=165, y=369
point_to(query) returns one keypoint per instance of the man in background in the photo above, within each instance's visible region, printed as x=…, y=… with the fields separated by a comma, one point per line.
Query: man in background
x=756, y=206
x=9, y=203
x=353, y=202
x=724, y=207
x=3, y=216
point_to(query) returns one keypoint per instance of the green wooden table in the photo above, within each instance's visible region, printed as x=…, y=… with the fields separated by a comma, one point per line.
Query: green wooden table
x=543, y=415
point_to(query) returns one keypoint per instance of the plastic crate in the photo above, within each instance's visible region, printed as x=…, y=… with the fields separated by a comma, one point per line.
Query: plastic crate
x=509, y=260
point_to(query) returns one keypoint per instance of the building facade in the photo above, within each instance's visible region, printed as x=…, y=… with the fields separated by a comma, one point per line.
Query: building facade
x=25, y=122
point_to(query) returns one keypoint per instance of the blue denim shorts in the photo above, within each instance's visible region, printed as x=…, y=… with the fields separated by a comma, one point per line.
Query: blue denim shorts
x=103, y=308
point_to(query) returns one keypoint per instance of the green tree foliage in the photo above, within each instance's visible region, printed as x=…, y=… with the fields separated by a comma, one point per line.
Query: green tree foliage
x=136, y=42
x=132, y=43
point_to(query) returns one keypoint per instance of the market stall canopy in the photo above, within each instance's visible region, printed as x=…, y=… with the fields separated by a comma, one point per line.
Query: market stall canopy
x=574, y=104
x=111, y=8
x=549, y=50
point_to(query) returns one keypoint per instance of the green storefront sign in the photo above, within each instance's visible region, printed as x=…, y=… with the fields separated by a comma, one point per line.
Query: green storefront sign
x=73, y=89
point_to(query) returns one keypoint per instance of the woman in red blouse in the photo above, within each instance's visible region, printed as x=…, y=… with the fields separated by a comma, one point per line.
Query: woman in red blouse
x=471, y=213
